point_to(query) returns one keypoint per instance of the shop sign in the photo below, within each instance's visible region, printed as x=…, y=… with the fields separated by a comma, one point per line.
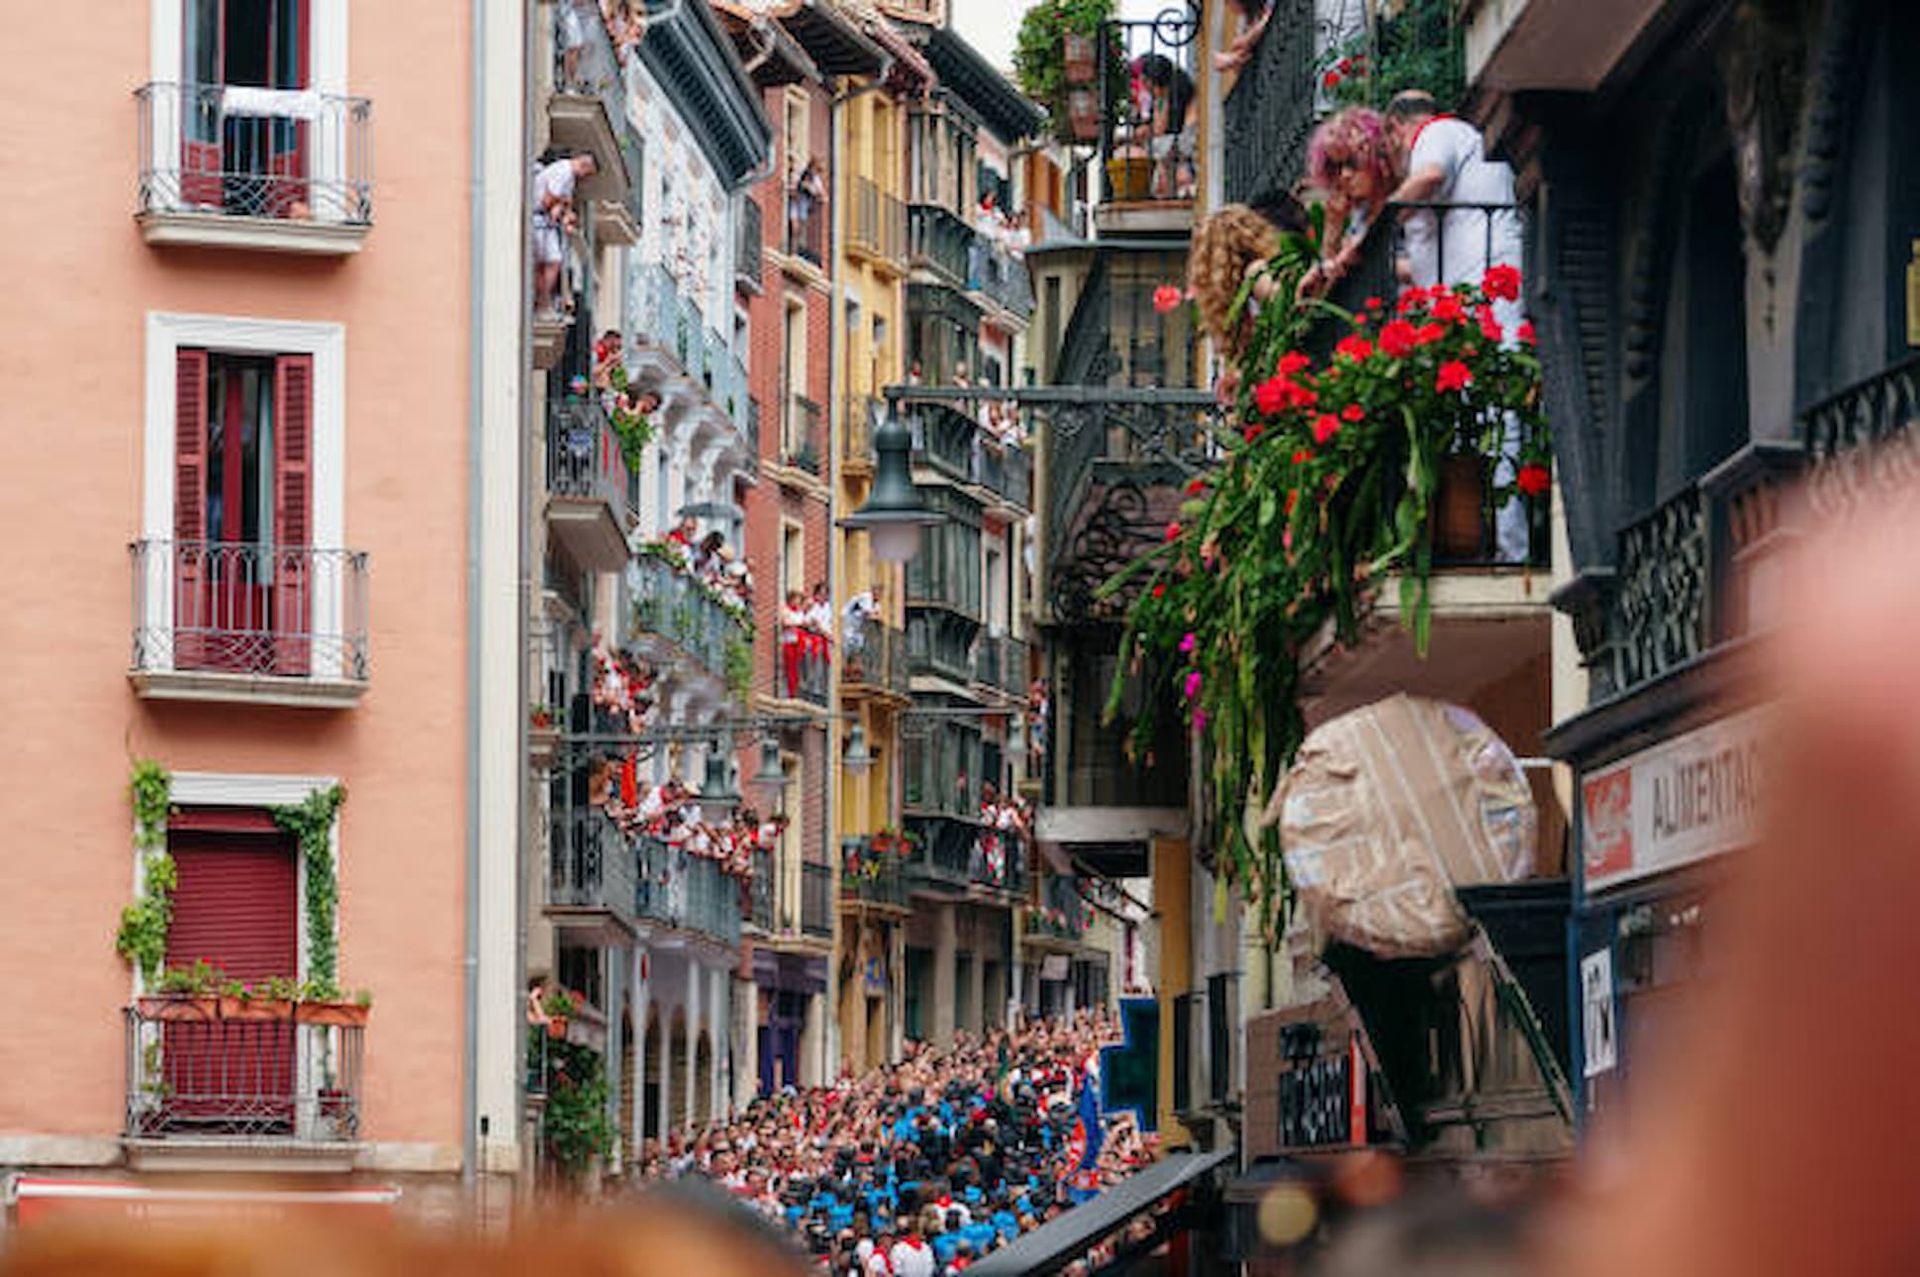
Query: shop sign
x=1695, y=796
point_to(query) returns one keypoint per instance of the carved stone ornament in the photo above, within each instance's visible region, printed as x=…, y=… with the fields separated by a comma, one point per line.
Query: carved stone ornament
x=1765, y=70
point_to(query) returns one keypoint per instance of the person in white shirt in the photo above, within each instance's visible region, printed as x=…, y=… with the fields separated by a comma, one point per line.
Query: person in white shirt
x=1446, y=164
x=911, y=1256
x=861, y=608
x=553, y=187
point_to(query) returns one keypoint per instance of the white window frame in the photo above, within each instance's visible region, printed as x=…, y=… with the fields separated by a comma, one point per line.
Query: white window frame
x=326, y=64
x=167, y=334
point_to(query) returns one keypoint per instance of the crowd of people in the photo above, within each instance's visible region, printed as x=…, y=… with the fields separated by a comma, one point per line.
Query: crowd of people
x=917, y=1169
x=1006, y=827
x=711, y=561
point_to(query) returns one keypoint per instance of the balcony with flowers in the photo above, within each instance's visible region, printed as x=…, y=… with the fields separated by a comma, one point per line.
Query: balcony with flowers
x=871, y=871
x=680, y=359
x=1060, y=920
x=680, y=613
x=1368, y=454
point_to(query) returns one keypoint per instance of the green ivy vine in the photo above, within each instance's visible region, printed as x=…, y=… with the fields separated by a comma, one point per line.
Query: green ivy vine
x=739, y=671
x=575, y=1126
x=142, y=938
x=311, y=823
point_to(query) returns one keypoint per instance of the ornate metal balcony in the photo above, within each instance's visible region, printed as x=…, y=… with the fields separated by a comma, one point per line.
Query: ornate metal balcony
x=249, y=621
x=203, y=1078
x=1270, y=109
x=803, y=436
x=874, y=660
x=938, y=240
x=688, y=892
x=288, y=170
x=870, y=874
x=587, y=484
x=1063, y=914
x=674, y=608
x=1000, y=662
x=749, y=258
x=877, y=223
x=816, y=899
x=1862, y=441
x=1150, y=153
x=807, y=222
x=592, y=879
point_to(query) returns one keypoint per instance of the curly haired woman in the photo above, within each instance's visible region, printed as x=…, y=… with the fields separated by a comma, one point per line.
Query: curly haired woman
x=1351, y=160
x=1231, y=247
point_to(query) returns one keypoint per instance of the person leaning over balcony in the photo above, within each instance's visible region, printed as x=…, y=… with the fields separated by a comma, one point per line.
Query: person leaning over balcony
x=1229, y=248
x=861, y=608
x=793, y=624
x=1172, y=130
x=1444, y=161
x=1350, y=158
x=553, y=217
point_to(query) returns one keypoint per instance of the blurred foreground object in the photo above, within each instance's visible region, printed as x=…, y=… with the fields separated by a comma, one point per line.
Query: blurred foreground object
x=666, y=1232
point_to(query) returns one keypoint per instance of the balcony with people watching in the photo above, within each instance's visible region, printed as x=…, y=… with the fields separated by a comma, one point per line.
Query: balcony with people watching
x=692, y=597
x=1148, y=131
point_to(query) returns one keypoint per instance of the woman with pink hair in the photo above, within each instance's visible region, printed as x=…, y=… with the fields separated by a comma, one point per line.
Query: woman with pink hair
x=1351, y=162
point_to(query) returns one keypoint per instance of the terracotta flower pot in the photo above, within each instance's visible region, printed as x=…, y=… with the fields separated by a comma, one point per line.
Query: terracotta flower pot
x=348, y=1014
x=232, y=1008
x=177, y=1007
x=1083, y=115
x=1460, y=507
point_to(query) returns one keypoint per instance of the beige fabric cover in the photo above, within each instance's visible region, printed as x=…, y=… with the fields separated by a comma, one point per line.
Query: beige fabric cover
x=1386, y=810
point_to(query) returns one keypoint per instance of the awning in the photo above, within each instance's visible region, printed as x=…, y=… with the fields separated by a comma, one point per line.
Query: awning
x=37, y=1198
x=1055, y=1245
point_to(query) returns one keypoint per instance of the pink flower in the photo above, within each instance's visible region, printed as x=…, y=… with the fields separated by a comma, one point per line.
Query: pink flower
x=1188, y=643
x=1526, y=332
x=1193, y=684
x=1166, y=298
x=1454, y=375
x=1199, y=720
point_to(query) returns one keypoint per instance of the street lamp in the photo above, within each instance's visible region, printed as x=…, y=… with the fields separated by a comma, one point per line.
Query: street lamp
x=718, y=788
x=857, y=759
x=894, y=512
x=771, y=771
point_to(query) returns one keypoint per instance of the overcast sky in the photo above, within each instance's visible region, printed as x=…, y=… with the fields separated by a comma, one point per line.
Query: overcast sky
x=990, y=25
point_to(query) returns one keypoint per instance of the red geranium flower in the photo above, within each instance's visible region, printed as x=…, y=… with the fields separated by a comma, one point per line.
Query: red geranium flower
x=1294, y=361
x=1454, y=375
x=1355, y=348
x=1159, y=589
x=1325, y=427
x=1270, y=396
x=1398, y=339
x=1526, y=332
x=1502, y=283
x=1373, y=303
x=1196, y=486
x=1332, y=80
x=1533, y=479
x=1253, y=432
x=1173, y=531
x=1448, y=309
x=1346, y=66
x=1353, y=412
x=1301, y=456
x=1165, y=298
x=1429, y=333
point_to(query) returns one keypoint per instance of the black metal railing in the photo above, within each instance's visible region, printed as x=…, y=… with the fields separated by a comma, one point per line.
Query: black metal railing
x=193, y=1075
x=874, y=656
x=1063, y=913
x=870, y=873
x=944, y=437
x=1001, y=276
x=808, y=660
x=584, y=459
x=238, y=151
x=1660, y=616
x=1150, y=142
x=764, y=912
x=937, y=238
x=591, y=864
x=670, y=603
x=633, y=154
x=252, y=608
x=686, y=891
x=816, y=899
x=1000, y=661
x=877, y=222
x=807, y=220
x=803, y=439
x=1006, y=470
x=749, y=261
x=958, y=853
x=1860, y=441
x=586, y=60
x=1270, y=110
x=940, y=643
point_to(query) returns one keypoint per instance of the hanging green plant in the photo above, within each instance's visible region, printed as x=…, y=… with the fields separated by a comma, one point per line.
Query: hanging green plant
x=632, y=427
x=575, y=1127
x=739, y=671
x=1331, y=469
x=1055, y=40
x=310, y=821
x=142, y=938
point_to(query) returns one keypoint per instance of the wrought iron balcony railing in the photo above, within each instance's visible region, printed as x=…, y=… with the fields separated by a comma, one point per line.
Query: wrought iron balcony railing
x=749, y=259
x=878, y=222
x=938, y=239
x=807, y=221
x=957, y=853
x=240, y=1080
x=816, y=899
x=1000, y=661
x=1149, y=140
x=586, y=61
x=764, y=912
x=803, y=436
x=945, y=438
x=670, y=604
x=233, y=151
x=1062, y=914
x=249, y=608
x=1270, y=109
x=807, y=665
x=584, y=460
x=874, y=658
x=1002, y=276
x=1006, y=470
x=871, y=874
x=591, y=864
x=689, y=892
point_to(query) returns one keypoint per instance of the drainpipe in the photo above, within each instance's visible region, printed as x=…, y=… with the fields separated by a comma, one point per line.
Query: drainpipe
x=476, y=430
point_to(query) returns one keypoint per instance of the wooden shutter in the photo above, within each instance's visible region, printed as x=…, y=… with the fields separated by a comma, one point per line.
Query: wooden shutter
x=294, y=577
x=187, y=556
x=237, y=903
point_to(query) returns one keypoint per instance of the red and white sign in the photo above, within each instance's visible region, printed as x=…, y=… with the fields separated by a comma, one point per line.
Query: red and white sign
x=1695, y=796
x=36, y=1198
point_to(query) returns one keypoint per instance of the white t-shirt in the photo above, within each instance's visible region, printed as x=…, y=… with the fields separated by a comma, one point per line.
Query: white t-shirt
x=820, y=616
x=1471, y=239
x=910, y=1260
x=557, y=180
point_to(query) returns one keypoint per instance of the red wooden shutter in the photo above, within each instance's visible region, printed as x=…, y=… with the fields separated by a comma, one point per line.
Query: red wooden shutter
x=293, y=577
x=237, y=905
x=188, y=554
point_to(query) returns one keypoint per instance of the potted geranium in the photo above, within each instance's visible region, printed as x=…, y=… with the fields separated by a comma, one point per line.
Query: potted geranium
x=322, y=1002
x=270, y=1000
